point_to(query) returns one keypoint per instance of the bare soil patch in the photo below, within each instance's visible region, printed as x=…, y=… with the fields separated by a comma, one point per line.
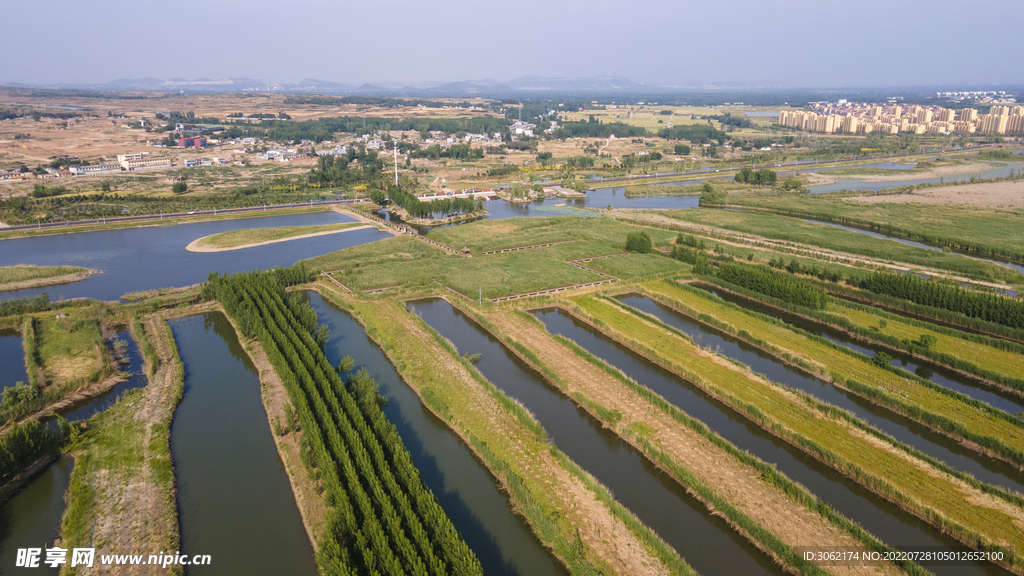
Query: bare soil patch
x=988, y=195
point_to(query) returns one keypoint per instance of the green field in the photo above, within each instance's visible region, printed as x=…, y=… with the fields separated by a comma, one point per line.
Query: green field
x=633, y=266
x=495, y=234
x=829, y=237
x=491, y=275
x=913, y=484
x=983, y=229
x=991, y=358
x=899, y=393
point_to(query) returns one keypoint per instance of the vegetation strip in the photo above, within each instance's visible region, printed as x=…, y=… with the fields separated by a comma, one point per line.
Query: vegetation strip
x=952, y=347
x=382, y=516
x=23, y=277
x=556, y=497
x=938, y=407
x=746, y=486
x=252, y=237
x=982, y=518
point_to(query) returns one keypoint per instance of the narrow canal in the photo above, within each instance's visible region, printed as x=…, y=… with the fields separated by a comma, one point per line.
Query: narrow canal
x=31, y=519
x=886, y=522
x=234, y=499
x=903, y=429
x=462, y=485
x=12, y=358
x=706, y=542
x=1005, y=401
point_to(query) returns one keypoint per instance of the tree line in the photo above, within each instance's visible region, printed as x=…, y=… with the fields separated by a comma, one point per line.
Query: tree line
x=989, y=307
x=762, y=177
x=383, y=518
x=697, y=133
x=442, y=207
x=775, y=284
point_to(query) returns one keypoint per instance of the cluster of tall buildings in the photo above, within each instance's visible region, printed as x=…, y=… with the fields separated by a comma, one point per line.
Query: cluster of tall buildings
x=854, y=118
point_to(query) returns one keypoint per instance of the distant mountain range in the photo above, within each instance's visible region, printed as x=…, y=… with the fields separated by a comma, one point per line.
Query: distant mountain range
x=526, y=85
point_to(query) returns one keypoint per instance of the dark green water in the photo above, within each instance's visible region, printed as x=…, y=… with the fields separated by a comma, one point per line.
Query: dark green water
x=234, y=499
x=886, y=522
x=706, y=542
x=465, y=489
x=31, y=519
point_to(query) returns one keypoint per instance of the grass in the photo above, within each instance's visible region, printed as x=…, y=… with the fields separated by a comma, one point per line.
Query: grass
x=634, y=265
x=1002, y=361
x=981, y=229
x=491, y=275
x=824, y=432
x=389, y=250
x=511, y=443
x=21, y=273
x=795, y=230
x=70, y=349
x=495, y=234
x=239, y=238
x=900, y=392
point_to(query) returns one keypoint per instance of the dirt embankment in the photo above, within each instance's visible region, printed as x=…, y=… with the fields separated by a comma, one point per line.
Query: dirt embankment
x=1008, y=194
x=740, y=484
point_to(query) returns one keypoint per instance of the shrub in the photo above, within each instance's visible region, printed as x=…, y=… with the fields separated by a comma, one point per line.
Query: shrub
x=639, y=241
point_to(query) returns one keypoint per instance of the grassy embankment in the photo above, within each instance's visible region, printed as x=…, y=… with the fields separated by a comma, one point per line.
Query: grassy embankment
x=986, y=357
x=168, y=221
x=122, y=497
x=991, y=359
x=24, y=276
x=791, y=229
x=759, y=502
x=567, y=509
x=983, y=230
x=975, y=514
x=235, y=239
x=896, y=389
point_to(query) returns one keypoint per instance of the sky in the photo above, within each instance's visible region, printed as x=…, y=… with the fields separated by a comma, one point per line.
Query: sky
x=791, y=43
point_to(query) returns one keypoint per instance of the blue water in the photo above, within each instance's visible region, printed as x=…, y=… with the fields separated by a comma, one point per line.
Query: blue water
x=859, y=184
x=1010, y=265
x=12, y=357
x=155, y=257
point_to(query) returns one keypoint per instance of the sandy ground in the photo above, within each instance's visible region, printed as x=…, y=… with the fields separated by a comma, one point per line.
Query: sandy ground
x=990, y=195
x=198, y=245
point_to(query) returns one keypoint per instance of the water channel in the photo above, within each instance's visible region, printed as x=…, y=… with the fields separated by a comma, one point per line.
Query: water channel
x=907, y=431
x=706, y=542
x=12, y=358
x=31, y=519
x=891, y=525
x=235, y=501
x=150, y=257
x=462, y=485
x=1006, y=401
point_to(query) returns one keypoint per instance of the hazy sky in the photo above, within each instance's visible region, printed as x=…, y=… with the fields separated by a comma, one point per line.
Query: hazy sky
x=771, y=42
